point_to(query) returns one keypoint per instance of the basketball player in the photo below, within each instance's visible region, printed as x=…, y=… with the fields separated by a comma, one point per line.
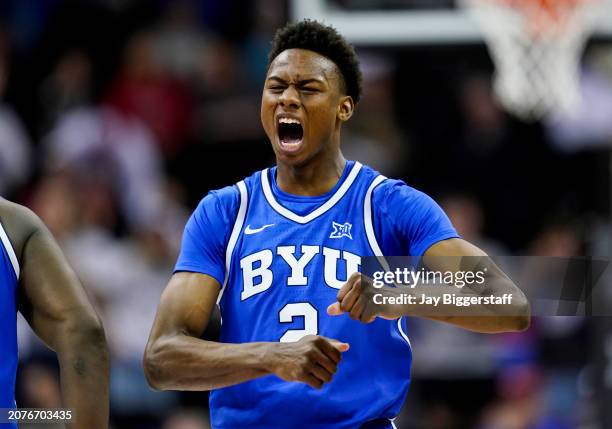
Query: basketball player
x=276, y=250
x=36, y=281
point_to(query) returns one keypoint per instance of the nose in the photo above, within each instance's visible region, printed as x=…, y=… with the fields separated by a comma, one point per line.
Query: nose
x=290, y=98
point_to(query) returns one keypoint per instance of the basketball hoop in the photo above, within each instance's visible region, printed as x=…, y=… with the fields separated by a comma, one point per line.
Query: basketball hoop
x=536, y=47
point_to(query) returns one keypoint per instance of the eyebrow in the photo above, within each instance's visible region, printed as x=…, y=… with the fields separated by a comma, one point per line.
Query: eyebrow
x=300, y=82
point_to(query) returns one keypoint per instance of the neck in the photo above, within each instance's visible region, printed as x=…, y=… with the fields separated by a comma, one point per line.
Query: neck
x=313, y=178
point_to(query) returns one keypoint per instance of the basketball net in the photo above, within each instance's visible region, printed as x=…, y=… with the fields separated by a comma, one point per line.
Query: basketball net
x=536, y=47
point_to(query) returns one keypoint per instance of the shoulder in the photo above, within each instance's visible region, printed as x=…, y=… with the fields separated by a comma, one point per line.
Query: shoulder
x=386, y=191
x=20, y=223
x=406, y=207
x=394, y=191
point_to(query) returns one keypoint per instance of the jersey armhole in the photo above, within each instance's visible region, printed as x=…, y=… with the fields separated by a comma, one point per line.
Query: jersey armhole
x=9, y=250
x=231, y=244
x=369, y=225
x=371, y=235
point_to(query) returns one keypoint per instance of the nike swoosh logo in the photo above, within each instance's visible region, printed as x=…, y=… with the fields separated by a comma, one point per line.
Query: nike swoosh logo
x=249, y=231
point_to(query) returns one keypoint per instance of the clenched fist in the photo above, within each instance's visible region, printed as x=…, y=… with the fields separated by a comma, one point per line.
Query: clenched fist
x=312, y=360
x=356, y=297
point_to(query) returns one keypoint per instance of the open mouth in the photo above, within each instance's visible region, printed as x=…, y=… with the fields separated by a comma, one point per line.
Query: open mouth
x=290, y=133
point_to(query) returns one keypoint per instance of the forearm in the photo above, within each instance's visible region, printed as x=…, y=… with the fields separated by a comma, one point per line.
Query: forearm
x=84, y=373
x=486, y=300
x=182, y=362
x=499, y=306
x=485, y=324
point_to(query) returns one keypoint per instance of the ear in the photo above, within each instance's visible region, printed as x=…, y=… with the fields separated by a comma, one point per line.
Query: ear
x=346, y=108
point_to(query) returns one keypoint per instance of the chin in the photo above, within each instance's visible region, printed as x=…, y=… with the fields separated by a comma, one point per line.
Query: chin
x=291, y=159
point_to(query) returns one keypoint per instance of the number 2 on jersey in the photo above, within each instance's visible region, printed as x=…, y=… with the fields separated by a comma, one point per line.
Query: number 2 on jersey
x=299, y=309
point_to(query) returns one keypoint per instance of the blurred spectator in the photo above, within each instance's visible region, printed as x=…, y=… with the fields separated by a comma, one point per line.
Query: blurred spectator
x=180, y=41
x=55, y=201
x=372, y=134
x=15, y=150
x=187, y=419
x=15, y=146
x=143, y=89
x=556, y=239
x=67, y=87
x=560, y=333
x=227, y=104
x=466, y=215
x=269, y=16
x=484, y=119
x=530, y=397
x=119, y=149
x=520, y=404
x=484, y=132
x=39, y=387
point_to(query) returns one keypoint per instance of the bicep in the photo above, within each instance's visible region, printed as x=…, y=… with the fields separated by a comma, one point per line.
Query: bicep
x=453, y=254
x=186, y=305
x=51, y=295
x=457, y=255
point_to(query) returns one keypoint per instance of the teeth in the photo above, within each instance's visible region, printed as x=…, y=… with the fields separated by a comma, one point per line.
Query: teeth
x=288, y=121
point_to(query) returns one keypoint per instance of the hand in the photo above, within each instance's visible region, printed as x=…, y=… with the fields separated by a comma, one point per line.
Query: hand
x=356, y=298
x=312, y=360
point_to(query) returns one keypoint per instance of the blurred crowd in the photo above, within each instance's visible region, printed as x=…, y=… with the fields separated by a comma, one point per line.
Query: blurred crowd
x=117, y=117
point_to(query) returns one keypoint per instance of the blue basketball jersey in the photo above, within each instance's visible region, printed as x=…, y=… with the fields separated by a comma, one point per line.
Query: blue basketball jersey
x=281, y=260
x=9, y=274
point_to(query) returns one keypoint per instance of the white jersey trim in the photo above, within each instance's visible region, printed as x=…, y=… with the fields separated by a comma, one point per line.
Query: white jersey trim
x=10, y=251
x=402, y=333
x=231, y=244
x=370, y=234
x=265, y=183
x=369, y=226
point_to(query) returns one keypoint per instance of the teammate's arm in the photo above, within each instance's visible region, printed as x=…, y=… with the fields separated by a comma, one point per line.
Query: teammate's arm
x=356, y=297
x=55, y=305
x=177, y=359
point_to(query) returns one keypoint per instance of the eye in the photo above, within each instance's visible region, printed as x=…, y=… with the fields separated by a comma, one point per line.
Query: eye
x=309, y=89
x=276, y=88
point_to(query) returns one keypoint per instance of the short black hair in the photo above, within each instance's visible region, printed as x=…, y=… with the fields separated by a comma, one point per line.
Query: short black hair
x=324, y=40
